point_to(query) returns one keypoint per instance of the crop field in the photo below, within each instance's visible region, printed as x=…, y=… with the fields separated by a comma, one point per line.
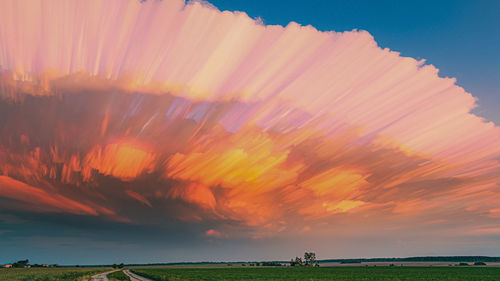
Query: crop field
x=49, y=274
x=324, y=273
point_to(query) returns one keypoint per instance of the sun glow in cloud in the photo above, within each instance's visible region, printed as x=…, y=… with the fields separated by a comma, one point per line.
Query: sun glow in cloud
x=274, y=128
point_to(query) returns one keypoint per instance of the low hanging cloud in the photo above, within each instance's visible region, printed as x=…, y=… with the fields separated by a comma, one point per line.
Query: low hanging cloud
x=129, y=110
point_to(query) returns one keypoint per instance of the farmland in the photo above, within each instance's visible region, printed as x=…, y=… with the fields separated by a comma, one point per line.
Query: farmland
x=49, y=274
x=212, y=273
x=323, y=273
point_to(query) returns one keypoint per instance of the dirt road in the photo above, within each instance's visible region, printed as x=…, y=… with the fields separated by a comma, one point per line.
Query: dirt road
x=101, y=276
x=135, y=277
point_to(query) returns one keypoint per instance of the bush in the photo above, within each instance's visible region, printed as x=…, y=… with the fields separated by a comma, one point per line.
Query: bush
x=479, y=263
x=118, y=276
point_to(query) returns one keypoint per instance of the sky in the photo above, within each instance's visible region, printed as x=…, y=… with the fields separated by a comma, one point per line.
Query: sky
x=161, y=131
x=459, y=37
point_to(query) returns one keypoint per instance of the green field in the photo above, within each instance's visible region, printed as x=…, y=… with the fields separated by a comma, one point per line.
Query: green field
x=324, y=273
x=118, y=276
x=49, y=274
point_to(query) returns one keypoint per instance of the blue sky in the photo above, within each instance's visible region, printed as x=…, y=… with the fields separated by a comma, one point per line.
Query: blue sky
x=461, y=38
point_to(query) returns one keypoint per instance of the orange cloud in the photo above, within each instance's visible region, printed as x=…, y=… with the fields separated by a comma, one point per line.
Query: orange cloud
x=194, y=193
x=214, y=233
x=122, y=160
x=40, y=199
x=265, y=126
x=336, y=182
x=138, y=197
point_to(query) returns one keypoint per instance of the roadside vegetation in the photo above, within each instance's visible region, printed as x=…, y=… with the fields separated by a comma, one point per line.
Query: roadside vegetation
x=49, y=274
x=118, y=276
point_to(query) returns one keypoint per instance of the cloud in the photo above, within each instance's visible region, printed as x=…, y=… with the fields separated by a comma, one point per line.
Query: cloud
x=214, y=233
x=38, y=198
x=486, y=231
x=138, y=197
x=212, y=118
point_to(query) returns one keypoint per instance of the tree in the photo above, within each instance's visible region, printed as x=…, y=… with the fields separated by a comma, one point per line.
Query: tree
x=309, y=258
x=121, y=265
x=21, y=264
x=298, y=261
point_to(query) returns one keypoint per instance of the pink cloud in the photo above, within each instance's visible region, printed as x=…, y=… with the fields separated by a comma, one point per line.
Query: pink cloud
x=214, y=233
x=263, y=124
x=486, y=231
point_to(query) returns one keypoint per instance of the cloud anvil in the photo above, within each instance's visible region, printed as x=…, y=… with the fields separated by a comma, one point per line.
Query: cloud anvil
x=125, y=109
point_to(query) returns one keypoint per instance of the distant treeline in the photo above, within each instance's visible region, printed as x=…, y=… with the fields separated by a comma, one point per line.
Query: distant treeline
x=262, y=263
x=360, y=260
x=275, y=263
x=419, y=259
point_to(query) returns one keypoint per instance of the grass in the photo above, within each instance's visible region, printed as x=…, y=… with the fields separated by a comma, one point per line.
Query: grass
x=49, y=274
x=324, y=273
x=118, y=276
